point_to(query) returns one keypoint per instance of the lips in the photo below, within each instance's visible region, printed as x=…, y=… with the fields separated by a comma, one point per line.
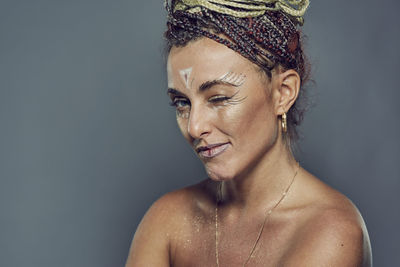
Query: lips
x=211, y=151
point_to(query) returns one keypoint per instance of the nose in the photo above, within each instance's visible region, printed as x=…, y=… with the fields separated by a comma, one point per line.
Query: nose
x=199, y=122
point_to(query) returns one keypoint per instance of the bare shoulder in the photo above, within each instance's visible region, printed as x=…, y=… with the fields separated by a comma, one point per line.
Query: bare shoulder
x=331, y=231
x=163, y=221
x=175, y=207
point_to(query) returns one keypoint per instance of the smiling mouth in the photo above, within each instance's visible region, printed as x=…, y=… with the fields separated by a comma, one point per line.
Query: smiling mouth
x=212, y=150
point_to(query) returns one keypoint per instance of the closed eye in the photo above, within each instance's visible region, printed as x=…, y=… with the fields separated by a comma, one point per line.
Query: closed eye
x=217, y=99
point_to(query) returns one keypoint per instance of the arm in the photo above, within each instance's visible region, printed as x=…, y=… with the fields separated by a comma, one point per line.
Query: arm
x=150, y=245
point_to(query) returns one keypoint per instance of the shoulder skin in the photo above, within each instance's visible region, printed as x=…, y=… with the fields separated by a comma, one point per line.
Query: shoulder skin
x=331, y=231
x=165, y=219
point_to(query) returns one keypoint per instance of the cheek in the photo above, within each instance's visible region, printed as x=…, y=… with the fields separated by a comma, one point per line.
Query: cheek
x=233, y=119
x=251, y=120
x=182, y=124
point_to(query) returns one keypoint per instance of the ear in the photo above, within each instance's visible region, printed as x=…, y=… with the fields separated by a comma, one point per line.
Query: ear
x=288, y=85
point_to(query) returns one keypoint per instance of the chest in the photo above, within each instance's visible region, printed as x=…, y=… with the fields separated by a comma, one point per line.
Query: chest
x=199, y=244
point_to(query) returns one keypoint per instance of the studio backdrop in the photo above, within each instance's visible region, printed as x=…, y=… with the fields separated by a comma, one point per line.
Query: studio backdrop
x=88, y=141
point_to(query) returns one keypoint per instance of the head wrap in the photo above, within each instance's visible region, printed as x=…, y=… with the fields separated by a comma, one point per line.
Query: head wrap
x=246, y=8
x=264, y=31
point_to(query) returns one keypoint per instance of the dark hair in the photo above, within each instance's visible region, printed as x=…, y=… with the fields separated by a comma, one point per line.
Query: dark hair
x=269, y=41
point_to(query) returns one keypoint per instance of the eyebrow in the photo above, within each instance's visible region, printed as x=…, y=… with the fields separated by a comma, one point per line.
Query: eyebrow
x=204, y=86
x=209, y=84
x=175, y=92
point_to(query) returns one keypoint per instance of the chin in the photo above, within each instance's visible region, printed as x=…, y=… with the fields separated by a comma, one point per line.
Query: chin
x=219, y=174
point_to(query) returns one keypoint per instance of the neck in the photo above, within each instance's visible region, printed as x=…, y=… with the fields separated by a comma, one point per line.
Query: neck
x=264, y=183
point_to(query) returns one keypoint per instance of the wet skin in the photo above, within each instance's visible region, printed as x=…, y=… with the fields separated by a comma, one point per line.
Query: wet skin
x=233, y=126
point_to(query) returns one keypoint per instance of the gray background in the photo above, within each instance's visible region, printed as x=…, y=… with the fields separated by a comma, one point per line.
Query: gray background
x=88, y=141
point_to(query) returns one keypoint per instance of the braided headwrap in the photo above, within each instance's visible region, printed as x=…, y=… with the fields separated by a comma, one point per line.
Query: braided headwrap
x=263, y=31
x=246, y=8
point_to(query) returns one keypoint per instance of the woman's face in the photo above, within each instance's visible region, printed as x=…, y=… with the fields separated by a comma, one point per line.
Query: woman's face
x=225, y=106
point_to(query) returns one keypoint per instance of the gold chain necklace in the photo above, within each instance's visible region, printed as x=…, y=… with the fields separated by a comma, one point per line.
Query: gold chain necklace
x=262, y=226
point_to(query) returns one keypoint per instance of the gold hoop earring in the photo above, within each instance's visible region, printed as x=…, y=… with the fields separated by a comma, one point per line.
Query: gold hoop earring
x=284, y=122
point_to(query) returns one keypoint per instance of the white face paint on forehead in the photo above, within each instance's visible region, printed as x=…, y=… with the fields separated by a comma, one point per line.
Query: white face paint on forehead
x=185, y=75
x=231, y=77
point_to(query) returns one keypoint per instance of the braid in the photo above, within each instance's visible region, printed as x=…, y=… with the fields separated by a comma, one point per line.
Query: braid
x=245, y=8
x=268, y=38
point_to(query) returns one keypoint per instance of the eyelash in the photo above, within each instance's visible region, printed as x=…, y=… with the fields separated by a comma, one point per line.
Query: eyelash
x=177, y=100
x=216, y=99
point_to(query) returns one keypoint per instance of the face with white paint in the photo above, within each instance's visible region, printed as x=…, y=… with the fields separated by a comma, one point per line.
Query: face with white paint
x=225, y=107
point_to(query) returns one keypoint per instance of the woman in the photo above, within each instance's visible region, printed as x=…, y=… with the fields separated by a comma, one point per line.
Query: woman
x=235, y=75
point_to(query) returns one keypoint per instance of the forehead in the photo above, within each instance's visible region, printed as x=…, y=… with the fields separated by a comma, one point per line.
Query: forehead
x=207, y=58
